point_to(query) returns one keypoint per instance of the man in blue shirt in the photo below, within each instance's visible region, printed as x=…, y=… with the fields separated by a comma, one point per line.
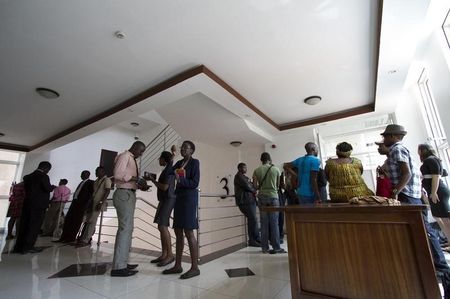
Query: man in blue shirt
x=308, y=168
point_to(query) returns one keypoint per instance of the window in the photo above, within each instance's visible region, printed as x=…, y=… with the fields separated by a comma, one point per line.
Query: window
x=446, y=27
x=9, y=166
x=435, y=130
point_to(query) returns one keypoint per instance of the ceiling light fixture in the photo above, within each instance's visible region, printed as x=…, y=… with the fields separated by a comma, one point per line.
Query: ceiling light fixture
x=312, y=100
x=235, y=143
x=119, y=34
x=47, y=93
x=134, y=124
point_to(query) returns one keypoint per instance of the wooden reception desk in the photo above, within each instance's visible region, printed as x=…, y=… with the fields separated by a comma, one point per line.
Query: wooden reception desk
x=353, y=251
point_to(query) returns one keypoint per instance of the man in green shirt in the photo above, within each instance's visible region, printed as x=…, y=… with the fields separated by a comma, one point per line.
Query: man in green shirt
x=266, y=179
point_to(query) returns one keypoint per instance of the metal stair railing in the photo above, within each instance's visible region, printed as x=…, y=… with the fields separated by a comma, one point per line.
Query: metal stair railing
x=163, y=141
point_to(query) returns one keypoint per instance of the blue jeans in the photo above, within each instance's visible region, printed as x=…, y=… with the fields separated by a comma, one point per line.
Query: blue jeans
x=249, y=212
x=306, y=199
x=433, y=239
x=269, y=220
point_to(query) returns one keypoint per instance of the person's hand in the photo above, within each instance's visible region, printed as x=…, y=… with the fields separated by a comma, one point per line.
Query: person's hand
x=141, y=182
x=144, y=188
x=434, y=198
x=99, y=205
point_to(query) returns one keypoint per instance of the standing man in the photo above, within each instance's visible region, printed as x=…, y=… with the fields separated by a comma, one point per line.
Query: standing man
x=102, y=186
x=307, y=171
x=61, y=195
x=126, y=177
x=37, y=196
x=266, y=179
x=406, y=186
x=244, y=193
x=80, y=202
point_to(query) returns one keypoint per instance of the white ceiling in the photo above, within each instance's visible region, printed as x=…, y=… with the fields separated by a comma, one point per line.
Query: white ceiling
x=273, y=52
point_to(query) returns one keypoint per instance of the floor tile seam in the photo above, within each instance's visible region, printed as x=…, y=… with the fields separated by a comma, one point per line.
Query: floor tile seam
x=227, y=295
x=217, y=284
x=281, y=290
x=154, y=281
x=76, y=284
x=114, y=296
x=182, y=282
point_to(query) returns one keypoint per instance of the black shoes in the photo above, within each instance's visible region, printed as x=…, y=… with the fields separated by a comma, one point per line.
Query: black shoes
x=123, y=272
x=157, y=260
x=132, y=266
x=281, y=250
x=254, y=244
x=163, y=263
x=190, y=274
x=172, y=271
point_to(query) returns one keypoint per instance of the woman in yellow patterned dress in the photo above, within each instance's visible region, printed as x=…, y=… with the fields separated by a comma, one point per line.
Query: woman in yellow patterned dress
x=344, y=175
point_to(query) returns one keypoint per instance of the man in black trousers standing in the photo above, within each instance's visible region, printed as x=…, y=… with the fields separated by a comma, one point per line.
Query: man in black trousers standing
x=244, y=193
x=37, y=197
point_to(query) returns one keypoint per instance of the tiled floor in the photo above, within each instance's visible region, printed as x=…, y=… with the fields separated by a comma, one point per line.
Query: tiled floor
x=27, y=276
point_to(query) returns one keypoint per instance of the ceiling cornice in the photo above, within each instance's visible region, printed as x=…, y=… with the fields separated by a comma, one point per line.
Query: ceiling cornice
x=14, y=147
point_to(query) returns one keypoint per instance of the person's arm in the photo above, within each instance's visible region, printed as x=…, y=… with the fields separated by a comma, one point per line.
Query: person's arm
x=244, y=183
x=314, y=186
x=434, y=187
x=45, y=183
x=327, y=171
x=120, y=169
x=163, y=186
x=107, y=189
x=290, y=168
x=405, y=176
x=194, y=179
x=255, y=181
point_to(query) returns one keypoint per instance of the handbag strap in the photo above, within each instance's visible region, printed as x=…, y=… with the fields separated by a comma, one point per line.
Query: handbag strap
x=264, y=178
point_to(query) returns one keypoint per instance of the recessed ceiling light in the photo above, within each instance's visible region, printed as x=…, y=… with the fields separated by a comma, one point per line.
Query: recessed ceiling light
x=119, y=34
x=2, y=135
x=134, y=124
x=47, y=93
x=312, y=100
x=235, y=143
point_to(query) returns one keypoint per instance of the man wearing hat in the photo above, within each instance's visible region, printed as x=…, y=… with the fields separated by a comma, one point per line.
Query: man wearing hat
x=406, y=185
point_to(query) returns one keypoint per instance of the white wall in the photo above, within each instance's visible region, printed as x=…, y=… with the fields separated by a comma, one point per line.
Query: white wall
x=289, y=145
x=409, y=115
x=438, y=69
x=216, y=163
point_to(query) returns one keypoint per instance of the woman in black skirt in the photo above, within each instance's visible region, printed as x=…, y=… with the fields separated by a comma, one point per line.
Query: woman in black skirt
x=187, y=174
x=166, y=199
x=437, y=190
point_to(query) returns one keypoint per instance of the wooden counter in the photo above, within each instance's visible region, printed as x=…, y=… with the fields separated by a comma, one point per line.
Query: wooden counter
x=353, y=251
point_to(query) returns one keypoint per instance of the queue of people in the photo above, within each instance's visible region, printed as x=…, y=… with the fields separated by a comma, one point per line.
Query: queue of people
x=301, y=181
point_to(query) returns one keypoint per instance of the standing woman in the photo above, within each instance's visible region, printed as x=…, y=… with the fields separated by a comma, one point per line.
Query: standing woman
x=166, y=202
x=187, y=175
x=437, y=191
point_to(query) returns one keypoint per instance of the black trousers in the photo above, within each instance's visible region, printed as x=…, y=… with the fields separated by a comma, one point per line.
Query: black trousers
x=30, y=224
x=249, y=212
